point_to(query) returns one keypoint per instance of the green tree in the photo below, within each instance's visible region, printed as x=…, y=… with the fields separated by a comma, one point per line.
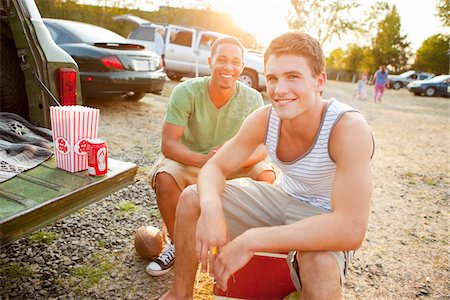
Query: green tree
x=322, y=19
x=336, y=59
x=443, y=7
x=358, y=59
x=389, y=46
x=433, y=55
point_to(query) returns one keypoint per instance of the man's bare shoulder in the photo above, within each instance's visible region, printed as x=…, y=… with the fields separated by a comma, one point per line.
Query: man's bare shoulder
x=351, y=136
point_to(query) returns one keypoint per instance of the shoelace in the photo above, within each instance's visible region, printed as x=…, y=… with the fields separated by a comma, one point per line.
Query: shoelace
x=167, y=256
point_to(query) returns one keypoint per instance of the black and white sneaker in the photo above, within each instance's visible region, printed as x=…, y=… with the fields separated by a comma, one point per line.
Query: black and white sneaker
x=163, y=263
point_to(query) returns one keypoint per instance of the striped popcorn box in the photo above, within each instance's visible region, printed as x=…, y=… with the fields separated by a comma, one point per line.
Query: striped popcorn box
x=72, y=126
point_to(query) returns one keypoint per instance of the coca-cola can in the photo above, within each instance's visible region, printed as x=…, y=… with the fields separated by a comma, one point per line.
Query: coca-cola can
x=97, y=152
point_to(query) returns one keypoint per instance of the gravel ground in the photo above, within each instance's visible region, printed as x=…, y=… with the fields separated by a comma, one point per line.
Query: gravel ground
x=90, y=254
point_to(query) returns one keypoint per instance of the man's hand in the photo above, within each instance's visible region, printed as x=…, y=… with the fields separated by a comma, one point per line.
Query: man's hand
x=212, y=232
x=231, y=258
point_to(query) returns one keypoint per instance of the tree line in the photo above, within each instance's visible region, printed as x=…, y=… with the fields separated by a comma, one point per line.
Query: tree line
x=377, y=37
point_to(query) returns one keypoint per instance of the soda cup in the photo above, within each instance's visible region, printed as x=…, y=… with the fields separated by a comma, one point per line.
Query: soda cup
x=97, y=151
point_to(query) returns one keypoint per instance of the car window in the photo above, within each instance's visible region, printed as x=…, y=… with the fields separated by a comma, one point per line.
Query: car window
x=413, y=76
x=206, y=41
x=146, y=33
x=91, y=34
x=183, y=38
x=60, y=36
x=422, y=77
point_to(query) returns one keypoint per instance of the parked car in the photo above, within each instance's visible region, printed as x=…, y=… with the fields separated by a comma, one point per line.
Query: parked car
x=188, y=49
x=36, y=74
x=110, y=65
x=398, y=81
x=437, y=86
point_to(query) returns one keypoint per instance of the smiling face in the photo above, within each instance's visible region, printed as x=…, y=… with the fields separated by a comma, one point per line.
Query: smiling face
x=291, y=86
x=226, y=65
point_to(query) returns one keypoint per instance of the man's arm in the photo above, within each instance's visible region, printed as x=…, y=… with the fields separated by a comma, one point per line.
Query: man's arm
x=343, y=229
x=172, y=147
x=211, y=228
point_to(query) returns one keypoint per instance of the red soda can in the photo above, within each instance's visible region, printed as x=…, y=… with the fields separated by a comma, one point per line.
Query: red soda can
x=97, y=151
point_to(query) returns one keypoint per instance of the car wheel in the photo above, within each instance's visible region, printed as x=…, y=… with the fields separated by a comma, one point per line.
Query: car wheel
x=12, y=82
x=134, y=97
x=249, y=78
x=174, y=76
x=430, y=92
x=397, y=85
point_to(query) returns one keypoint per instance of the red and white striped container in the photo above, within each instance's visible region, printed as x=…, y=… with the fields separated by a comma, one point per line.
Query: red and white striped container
x=72, y=126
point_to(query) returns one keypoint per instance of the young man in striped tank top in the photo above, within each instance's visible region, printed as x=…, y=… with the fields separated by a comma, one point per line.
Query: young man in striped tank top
x=319, y=209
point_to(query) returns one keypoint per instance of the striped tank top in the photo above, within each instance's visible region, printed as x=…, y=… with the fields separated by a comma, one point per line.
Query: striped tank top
x=310, y=177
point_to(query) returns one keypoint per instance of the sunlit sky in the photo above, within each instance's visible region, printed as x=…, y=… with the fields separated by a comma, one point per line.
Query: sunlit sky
x=266, y=18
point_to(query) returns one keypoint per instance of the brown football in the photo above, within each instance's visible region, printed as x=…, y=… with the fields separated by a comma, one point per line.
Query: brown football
x=148, y=241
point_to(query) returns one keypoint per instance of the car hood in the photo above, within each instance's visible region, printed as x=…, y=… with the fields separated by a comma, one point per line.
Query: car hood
x=254, y=61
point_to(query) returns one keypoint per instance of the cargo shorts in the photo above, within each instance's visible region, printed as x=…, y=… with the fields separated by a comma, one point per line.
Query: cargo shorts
x=249, y=204
x=186, y=175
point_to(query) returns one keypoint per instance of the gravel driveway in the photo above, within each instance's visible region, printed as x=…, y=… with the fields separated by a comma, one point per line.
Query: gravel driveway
x=90, y=254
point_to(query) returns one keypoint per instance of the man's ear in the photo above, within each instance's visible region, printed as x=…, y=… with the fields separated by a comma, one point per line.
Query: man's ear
x=321, y=79
x=209, y=61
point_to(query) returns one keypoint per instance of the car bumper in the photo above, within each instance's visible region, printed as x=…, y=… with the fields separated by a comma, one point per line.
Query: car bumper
x=416, y=90
x=97, y=83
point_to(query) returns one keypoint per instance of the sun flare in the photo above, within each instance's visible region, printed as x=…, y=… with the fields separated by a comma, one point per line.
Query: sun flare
x=257, y=17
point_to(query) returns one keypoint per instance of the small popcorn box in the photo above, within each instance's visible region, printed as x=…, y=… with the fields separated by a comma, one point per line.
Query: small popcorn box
x=72, y=126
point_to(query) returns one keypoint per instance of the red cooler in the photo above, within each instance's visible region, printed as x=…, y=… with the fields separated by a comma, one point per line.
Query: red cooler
x=265, y=276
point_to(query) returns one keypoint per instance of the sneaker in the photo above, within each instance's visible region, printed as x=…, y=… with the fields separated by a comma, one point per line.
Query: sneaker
x=163, y=263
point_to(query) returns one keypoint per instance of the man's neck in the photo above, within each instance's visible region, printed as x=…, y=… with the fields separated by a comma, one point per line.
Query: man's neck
x=219, y=96
x=308, y=123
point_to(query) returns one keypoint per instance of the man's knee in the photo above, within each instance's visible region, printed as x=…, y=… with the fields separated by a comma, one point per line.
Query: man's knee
x=267, y=176
x=319, y=275
x=189, y=204
x=165, y=184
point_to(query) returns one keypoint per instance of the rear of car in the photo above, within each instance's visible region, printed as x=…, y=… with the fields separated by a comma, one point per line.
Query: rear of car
x=35, y=72
x=437, y=86
x=110, y=65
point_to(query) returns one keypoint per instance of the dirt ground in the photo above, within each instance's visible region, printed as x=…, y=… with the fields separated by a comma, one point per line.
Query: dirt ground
x=405, y=254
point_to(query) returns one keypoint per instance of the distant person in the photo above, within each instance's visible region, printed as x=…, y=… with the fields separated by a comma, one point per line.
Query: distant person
x=380, y=80
x=160, y=47
x=319, y=210
x=202, y=115
x=362, y=87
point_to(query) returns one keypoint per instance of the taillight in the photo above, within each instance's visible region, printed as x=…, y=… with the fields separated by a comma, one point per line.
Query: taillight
x=112, y=62
x=67, y=86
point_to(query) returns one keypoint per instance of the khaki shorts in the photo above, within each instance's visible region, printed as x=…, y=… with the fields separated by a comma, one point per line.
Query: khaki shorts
x=248, y=204
x=187, y=175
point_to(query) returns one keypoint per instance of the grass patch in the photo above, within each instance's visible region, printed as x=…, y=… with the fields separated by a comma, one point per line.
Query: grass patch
x=90, y=274
x=155, y=212
x=127, y=207
x=429, y=180
x=43, y=237
x=15, y=271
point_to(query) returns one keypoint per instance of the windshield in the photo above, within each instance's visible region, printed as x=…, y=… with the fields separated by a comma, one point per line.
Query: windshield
x=91, y=34
x=406, y=74
x=439, y=78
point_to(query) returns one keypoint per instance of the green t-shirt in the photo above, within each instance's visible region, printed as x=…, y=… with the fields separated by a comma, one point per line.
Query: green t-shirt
x=205, y=125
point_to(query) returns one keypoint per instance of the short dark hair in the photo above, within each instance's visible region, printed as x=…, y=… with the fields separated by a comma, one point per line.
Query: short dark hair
x=299, y=44
x=226, y=40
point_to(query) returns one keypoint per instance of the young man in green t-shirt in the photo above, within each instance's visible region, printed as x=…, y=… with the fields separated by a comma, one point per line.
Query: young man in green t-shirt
x=203, y=114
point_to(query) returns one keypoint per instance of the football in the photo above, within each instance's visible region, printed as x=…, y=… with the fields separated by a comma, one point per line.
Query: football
x=148, y=241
